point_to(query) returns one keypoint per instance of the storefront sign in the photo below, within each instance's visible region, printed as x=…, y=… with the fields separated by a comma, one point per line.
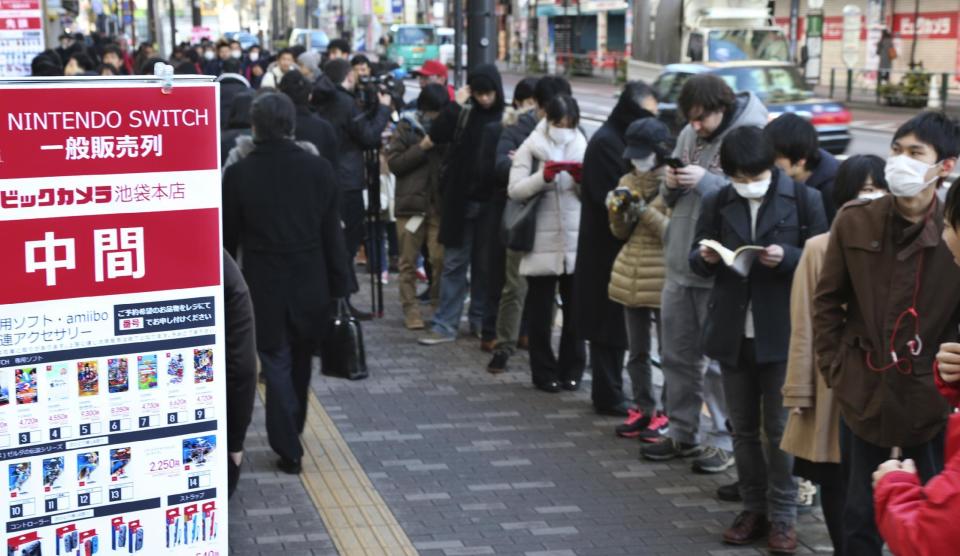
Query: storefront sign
x=933, y=25
x=21, y=36
x=112, y=386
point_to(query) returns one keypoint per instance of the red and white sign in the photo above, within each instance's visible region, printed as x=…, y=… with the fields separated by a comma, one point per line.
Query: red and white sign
x=932, y=25
x=111, y=315
x=21, y=36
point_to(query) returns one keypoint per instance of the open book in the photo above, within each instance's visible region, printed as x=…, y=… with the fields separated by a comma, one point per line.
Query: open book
x=740, y=260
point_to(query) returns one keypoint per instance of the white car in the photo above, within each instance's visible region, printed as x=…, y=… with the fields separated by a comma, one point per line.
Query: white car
x=445, y=36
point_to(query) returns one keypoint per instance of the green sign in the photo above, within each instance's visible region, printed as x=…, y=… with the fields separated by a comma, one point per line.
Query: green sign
x=815, y=25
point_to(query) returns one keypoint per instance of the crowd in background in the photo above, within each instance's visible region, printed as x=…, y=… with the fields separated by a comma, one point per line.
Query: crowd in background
x=801, y=300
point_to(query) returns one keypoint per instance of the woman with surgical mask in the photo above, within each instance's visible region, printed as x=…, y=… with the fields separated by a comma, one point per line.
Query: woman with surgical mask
x=546, y=171
x=639, y=216
x=812, y=432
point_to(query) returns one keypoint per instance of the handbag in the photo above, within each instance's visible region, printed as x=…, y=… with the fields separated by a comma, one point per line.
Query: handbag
x=519, y=225
x=342, y=354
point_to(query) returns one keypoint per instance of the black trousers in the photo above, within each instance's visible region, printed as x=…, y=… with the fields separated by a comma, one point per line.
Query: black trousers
x=606, y=363
x=354, y=229
x=496, y=267
x=860, y=459
x=544, y=365
x=287, y=373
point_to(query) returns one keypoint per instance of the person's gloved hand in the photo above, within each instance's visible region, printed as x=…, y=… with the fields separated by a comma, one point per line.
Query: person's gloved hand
x=550, y=171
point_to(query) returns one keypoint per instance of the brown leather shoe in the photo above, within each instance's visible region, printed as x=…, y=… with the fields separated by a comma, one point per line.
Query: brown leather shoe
x=782, y=539
x=488, y=345
x=746, y=528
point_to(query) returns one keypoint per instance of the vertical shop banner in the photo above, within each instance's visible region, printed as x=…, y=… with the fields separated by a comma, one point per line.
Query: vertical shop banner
x=112, y=386
x=21, y=36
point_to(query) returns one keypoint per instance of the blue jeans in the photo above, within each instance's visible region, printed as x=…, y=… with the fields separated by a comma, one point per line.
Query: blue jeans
x=457, y=261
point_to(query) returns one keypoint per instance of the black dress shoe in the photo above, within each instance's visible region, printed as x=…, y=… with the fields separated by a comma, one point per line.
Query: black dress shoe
x=289, y=466
x=571, y=385
x=615, y=411
x=360, y=315
x=551, y=386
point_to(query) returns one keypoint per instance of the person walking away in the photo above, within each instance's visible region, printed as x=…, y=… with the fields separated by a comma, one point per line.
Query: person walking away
x=812, y=433
x=748, y=329
x=238, y=125
x=916, y=519
x=517, y=126
x=546, y=171
x=639, y=216
x=310, y=127
x=280, y=207
x=523, y=102
x=601, y=319
x=463, y=226
x=357, y=131
x=875, y=339
x=714, y=111
x=416, y=162
x=232, y=85
x=887, y=53
x=799, y=155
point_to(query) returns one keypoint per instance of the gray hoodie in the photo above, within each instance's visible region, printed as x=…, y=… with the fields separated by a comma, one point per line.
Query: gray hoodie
x=685, y=204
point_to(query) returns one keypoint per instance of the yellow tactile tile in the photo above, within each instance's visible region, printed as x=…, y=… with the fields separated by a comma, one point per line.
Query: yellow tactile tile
x=356, y=517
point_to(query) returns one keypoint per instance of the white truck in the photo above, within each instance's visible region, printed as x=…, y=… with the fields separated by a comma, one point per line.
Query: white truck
x=678, y=31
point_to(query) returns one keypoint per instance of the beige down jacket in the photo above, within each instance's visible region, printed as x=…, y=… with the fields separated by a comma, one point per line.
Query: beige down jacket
x=638, y=271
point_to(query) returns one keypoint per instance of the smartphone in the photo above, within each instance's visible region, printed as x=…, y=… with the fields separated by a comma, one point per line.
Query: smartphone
x=673, y=162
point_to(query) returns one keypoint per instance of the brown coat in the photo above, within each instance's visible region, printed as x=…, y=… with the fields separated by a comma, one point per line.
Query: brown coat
x=814, y=435
x=871, y=270
x=638, y=271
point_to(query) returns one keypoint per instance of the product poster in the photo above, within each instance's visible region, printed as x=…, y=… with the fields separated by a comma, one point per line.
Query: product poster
x=21, y=36
x=112, y=376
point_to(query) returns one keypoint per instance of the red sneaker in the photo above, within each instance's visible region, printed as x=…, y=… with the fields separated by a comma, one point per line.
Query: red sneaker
x=635, y=424
x=658, y=426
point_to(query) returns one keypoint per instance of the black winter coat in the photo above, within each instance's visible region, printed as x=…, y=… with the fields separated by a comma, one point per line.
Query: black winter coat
x=316, y=130
x=230, y=88
x=725, y=217
x=280, y=205
x=357, y=131
x=603, y=165
x=461, y=171
x=822, y=179
x=241, y=353
x=488, y=187
x=513, y=135
x=417, y=171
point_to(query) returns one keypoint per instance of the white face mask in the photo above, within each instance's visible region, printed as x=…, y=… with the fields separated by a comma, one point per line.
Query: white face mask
x=905, y=175
x=561, y=136
x=753, y=189
x=254, y=56
x=209, y=55
x=644, y=164
x=872, y=196
x=236, y=54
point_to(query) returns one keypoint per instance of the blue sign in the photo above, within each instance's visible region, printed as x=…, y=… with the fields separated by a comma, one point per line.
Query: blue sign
x=397, y=7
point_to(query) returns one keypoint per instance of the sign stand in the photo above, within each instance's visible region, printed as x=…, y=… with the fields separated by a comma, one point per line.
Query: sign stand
x=112, y=376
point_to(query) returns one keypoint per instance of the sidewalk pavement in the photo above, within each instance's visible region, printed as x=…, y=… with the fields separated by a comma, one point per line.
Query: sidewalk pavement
x=472, y=463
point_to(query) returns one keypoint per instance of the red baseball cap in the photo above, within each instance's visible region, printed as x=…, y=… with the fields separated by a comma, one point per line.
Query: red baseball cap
x=432, y=68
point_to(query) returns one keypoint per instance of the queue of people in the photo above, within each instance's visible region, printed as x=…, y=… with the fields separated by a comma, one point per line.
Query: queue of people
x=802, y=301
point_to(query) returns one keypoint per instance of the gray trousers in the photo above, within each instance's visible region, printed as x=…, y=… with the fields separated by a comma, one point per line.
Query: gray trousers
x=690, y=378
x=511, y=303
x=765, y=471
x=639, y=338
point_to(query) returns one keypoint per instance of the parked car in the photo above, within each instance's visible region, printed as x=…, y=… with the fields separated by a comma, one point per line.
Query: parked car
x=778, y=84
x=245, y=39
x=311, y=39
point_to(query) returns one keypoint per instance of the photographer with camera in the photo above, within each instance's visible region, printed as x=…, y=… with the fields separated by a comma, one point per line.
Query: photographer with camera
x=357, y=130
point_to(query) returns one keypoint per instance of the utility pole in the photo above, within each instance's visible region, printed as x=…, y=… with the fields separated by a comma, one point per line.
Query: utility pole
x=481, y=33
x=152, y=22
x=195, y=15
x=457, y=43
x=173, y=26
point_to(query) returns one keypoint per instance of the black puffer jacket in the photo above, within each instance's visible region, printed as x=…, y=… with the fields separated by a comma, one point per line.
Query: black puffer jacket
x=461, y=174
x=356, y=130
x=318, y=131
x=517, y=126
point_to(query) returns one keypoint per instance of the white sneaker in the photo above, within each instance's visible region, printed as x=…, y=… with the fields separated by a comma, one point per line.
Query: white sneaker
x=435, y=338
x=713, y=460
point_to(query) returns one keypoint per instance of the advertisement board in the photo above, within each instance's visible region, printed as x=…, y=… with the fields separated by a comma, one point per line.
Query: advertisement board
x=112, y=386
x=21, y=36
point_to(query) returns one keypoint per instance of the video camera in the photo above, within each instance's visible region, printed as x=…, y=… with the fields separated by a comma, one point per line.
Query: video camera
x=620, y=199
x=368, y=89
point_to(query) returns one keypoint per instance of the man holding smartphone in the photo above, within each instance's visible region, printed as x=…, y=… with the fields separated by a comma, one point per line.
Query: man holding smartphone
x=712, y=110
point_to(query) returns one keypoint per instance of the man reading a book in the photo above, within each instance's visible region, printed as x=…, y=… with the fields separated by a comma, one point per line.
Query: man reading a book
x=748, y=322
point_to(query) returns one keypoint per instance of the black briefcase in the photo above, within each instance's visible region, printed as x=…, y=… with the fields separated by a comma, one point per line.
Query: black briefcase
x=342, y=354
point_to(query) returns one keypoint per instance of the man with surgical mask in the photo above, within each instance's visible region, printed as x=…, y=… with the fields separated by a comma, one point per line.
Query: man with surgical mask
x=887, y=298
x=747, y=328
